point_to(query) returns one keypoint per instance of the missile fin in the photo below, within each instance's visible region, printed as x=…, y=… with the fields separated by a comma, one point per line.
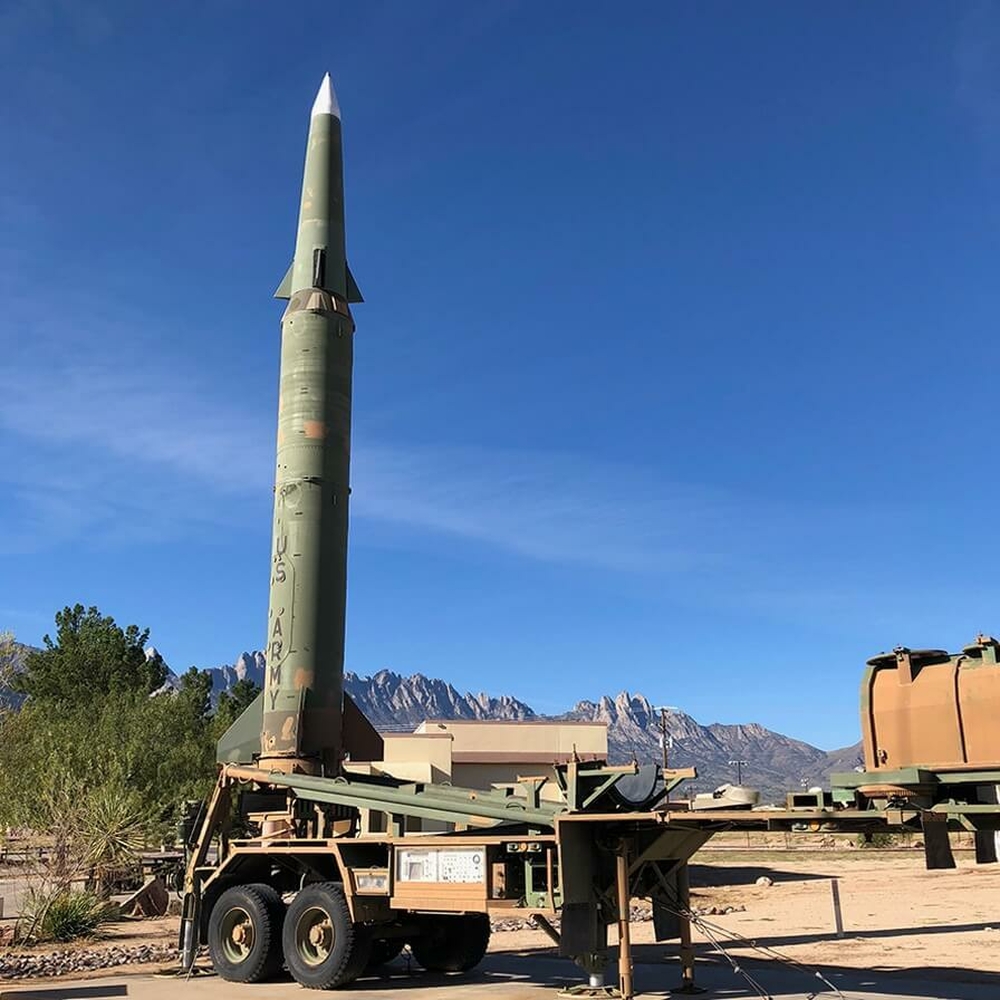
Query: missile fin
x=284, y=290
x=353, y=292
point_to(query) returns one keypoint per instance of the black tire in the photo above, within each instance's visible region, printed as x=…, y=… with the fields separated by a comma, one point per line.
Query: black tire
x=383, y=951
x=452, y=944
x=323, y=948
x=244, y=933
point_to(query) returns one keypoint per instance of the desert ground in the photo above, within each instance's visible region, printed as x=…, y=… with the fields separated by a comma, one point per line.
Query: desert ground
x=902, y=924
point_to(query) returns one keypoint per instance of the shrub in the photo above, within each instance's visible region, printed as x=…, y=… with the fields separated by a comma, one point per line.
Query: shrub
x=879, y=840
x=63, y=916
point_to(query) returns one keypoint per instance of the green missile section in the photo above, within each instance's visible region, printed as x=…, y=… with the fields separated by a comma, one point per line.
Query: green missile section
x=303, y=688
x=320, y=259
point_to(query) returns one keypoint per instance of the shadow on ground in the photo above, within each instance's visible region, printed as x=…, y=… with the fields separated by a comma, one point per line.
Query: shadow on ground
x=539, y=972
x=779, y=940
x=98, y=991
x=657, y=973
x=710, y=876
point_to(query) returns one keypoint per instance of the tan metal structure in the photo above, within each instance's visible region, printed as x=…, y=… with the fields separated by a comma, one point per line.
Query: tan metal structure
x=932, y=709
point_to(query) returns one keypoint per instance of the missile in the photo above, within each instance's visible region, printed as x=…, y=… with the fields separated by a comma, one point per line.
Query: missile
x=303, y=683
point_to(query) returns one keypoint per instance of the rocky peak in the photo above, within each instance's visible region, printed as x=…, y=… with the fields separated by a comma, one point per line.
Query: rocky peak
x=394, y=702
x=250, y=666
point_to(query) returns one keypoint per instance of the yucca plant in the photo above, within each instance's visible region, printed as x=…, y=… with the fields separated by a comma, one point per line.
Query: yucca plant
x=111, y=835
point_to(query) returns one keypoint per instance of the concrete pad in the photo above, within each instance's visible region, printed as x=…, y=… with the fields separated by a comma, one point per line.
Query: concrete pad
x=507, y=976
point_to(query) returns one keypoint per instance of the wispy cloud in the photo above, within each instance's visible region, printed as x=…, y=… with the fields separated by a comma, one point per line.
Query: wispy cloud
x=107, y=439
x=56, y=496
x=130, y=441
x=113, y=450
x=549, y=506
x=112, y=440
x=130, y=413
x=102, y=443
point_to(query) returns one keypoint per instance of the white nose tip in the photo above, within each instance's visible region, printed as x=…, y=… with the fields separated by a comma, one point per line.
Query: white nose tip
x=326, y=100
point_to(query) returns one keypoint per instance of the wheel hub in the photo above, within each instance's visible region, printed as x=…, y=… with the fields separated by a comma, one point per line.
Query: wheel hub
x=319, y=934
x=238, y=935
x=314, y=936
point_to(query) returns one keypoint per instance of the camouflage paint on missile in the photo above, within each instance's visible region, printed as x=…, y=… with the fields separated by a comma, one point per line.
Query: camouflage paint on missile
x=303, y=687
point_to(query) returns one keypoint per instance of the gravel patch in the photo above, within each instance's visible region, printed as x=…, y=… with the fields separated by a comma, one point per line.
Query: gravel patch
x=638, y=915
x=62, y=963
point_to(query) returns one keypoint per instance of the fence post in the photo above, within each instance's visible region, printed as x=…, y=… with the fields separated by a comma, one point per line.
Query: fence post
x=837, y=917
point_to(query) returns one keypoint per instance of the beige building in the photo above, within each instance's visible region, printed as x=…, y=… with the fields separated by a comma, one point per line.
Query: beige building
x=475, y=754
x=484, y=754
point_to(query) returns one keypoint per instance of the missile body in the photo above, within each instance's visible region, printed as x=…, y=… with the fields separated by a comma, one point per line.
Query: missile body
x=303, y=688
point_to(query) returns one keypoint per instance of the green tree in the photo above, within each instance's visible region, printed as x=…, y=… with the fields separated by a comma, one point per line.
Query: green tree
x=57, y=761
x=98, y=729
x=9, y=659
x=91, y=657
x=196, y=692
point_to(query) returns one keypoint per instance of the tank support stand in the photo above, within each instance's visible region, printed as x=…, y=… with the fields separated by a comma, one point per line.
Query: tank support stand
x=624, y=915
x=594, y=965
x=687, y=986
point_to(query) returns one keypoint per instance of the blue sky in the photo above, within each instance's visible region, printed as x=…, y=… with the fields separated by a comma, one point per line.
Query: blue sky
x=674, y=373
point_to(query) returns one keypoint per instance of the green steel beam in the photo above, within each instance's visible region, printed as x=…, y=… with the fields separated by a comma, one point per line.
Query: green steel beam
x=455, y=805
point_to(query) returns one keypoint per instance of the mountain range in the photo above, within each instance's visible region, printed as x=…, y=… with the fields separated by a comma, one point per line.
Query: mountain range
x=769, y=761
x=772, y=762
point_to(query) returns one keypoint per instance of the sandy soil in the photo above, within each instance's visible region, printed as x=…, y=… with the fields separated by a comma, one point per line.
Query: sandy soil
x=897, y=916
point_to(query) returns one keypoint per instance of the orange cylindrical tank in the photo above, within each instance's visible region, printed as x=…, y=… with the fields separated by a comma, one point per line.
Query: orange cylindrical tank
x=932, y=709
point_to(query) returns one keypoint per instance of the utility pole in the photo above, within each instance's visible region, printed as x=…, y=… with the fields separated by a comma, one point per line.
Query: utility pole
x=739, y=765
x=666, y=743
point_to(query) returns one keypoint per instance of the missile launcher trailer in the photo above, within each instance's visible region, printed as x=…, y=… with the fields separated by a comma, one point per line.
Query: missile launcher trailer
x=364, y=879
x=366, y=882
x=302, y=861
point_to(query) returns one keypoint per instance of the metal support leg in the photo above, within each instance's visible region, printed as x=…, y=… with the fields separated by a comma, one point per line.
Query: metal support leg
x=189, y=934
x=686, y=950
x=593, y=964
x=189, y=938
x=596, y=989
x=624, y=931
x=542, y=923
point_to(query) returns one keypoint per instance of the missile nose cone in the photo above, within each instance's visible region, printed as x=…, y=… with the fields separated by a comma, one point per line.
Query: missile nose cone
x=326, y=100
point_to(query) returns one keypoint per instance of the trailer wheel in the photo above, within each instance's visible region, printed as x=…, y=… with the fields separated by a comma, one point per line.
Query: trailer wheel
x=244, y=933
x=452, y=944
x=323, y=948
x=384, y=950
